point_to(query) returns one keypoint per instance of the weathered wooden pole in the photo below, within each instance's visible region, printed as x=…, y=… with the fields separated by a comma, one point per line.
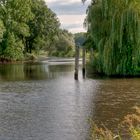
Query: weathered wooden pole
x=91, y=54
x=84, y=61
x=76, y=62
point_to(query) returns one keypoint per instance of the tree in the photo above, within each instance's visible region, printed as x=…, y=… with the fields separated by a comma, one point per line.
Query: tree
x=117, y=44
x=14, y=16
x=43, y=26
x=80, y=38
x=62, y=44
x=25, y=25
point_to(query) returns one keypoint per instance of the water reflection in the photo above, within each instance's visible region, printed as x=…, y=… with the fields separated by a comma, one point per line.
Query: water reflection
x=44, y=102
x=35, y=71
x=114, y=99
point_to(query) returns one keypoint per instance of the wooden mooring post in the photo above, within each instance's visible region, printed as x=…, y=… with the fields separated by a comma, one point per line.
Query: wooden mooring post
x=76, y=62
x=79, y=44
x=83, y=61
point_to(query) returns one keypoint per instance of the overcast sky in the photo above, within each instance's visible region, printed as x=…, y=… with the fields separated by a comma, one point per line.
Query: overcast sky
x=71, y=13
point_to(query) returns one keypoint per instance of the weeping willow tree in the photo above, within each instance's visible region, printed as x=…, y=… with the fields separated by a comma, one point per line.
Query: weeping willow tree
x=114, y=27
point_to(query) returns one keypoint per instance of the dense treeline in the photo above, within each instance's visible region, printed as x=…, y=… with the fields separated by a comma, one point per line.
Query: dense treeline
x=114, y=34
x=62, y=44
x=27, y=26
x=80, y=38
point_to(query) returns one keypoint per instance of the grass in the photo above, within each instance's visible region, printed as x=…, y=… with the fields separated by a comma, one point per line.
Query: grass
x=130, y=125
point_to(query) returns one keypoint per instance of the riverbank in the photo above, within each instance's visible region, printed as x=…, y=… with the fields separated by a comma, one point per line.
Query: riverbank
x=34, y=59
x=93, y=72
x=128, y=129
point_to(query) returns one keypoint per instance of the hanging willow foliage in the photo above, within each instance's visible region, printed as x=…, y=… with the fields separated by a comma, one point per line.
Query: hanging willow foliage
x=114, y=26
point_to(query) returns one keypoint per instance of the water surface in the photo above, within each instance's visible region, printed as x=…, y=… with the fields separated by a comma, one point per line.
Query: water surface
x=43, y=102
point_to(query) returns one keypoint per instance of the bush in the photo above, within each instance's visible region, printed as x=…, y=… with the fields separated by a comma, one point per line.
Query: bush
x=30, y=57
x=13, y=48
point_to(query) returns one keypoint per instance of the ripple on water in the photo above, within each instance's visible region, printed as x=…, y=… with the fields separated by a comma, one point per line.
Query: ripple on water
x=42, y=102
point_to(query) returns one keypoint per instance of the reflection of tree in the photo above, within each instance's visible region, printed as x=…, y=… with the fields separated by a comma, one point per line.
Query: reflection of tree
x=36, y=71
x=12, y=72
x=114, y=100
x=22, y=72
x=59, y=70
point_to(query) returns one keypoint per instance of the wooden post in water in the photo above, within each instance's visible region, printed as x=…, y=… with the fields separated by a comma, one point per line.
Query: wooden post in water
x=76, y=62
x=91, y=54
x=84, y=62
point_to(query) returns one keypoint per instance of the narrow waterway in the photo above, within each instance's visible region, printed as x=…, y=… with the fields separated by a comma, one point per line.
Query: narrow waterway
x=42, y=101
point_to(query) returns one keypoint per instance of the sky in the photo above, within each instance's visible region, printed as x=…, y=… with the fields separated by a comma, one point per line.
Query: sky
x=71, y=13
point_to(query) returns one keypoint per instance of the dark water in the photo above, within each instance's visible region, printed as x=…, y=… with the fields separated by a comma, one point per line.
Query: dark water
x=43, y=102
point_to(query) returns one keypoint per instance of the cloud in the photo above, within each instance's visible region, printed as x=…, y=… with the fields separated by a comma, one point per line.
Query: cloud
x=76, y=30
x=71, y=8
x=64, y=2
x=71, y=13
x=71, y=19
x=72, y=22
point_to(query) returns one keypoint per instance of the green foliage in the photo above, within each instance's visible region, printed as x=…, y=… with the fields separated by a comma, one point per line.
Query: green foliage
x=14, y=49
x=2, y=30
x=80, y=38
x=135, y=132
x=43, y=26
x=62, y=44
x=30, y=57
x=16, y=29
x=25, y=26
x=114, y=30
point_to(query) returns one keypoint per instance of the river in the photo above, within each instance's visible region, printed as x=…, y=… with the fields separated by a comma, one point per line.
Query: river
x=42, y=101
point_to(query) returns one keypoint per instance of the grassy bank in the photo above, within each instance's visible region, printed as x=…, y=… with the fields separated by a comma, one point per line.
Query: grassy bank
x=129, y=129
